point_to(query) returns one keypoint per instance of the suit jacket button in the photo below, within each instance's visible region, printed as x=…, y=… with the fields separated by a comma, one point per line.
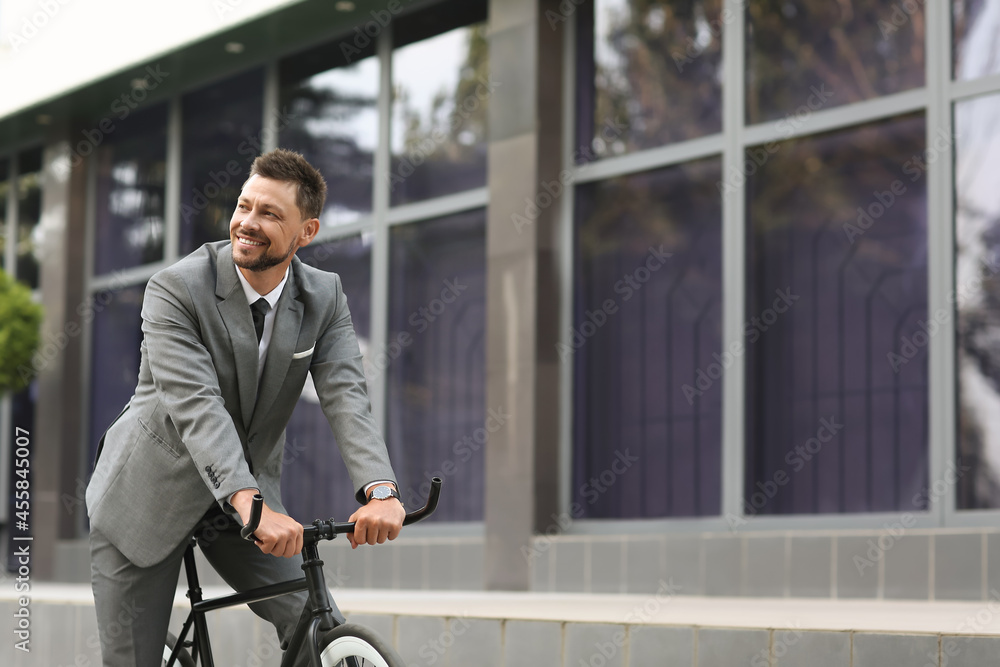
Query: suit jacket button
x=216, y=485
x=208, y=468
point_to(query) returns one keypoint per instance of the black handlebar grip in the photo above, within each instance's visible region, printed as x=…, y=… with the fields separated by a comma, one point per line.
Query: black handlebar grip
x=429, y=507
x=412, y=517
x=255, y=511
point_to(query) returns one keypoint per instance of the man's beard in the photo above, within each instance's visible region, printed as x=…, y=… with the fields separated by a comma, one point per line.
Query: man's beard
x=264, y=262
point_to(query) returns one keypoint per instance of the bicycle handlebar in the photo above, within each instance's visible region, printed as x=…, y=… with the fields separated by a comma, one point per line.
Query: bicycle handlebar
x=255, y=511
x=327, y=530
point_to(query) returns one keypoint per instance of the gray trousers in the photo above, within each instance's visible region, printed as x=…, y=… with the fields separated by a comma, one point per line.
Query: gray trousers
x=134, y=603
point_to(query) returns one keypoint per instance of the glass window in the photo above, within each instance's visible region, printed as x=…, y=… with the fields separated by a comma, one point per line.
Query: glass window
x=806, y=55
x=438, y=138
x=221, y=137
x=435, y=361
x=131, y=178
x=115, y=355
x=330, y=115
x=29, y=216
x=837, y=322
x=977, y=263
x=312, y=460
x=976, y=25
x=649, y=74
x=4, y=198
x=646, y=326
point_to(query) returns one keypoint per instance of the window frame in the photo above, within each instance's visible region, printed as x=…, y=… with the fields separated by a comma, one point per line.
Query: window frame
x=935, y=99
x=379, y=223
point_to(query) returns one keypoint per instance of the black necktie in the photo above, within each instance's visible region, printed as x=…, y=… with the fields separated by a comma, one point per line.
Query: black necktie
x=259, y=309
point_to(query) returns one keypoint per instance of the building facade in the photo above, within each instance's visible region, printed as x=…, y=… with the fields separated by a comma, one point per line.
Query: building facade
x=691, y=290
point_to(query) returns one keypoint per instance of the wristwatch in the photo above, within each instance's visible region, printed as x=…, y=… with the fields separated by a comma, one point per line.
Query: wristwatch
x=384, y=492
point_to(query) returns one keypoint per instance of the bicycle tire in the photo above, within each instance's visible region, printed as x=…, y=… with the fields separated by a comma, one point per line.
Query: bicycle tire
x=183, y=657
x=347, y=641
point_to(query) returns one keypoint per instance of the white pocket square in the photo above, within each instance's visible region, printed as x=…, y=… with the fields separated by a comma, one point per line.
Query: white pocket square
x=301, y=355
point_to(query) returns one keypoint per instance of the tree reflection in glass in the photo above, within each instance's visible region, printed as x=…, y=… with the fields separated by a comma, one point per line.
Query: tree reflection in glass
x=855, y=50
x=976, y=43
x=977, y=281
x=440, y=98
x=131, y=184
x=332, y=119
x=650, y=74
x=29, y=217
x=220, y=138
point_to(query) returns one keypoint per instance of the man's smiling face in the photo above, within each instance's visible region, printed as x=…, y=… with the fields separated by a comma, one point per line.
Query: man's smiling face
x=267, y=227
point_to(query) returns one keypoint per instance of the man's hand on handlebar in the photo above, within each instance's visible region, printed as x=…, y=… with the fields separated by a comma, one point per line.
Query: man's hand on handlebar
x=376, y=522
x=278, y=534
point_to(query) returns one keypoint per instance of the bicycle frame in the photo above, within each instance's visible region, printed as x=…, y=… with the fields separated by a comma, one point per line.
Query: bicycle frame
x=320, y=610
x=317, y=615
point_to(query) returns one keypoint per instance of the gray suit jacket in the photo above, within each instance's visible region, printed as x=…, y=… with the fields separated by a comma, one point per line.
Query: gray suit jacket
x=198, y=429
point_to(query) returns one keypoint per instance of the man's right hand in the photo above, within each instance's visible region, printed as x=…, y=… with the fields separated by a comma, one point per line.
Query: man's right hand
x=278, y=534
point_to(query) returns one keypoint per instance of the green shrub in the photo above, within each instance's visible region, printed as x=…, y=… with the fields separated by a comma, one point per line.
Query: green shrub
x=20, y=322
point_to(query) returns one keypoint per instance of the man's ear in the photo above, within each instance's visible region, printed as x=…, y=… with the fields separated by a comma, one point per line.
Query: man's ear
x=309, y=231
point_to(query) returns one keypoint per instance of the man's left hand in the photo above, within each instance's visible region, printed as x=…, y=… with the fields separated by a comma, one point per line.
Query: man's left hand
x=376, y=522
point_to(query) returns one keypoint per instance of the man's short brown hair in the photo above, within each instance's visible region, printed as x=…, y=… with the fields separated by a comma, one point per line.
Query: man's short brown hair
x=290, y=167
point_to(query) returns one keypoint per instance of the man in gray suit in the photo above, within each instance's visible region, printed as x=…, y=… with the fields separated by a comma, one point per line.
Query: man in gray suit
x=229, y=334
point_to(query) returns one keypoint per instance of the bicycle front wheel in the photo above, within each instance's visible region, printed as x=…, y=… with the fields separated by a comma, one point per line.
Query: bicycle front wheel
x=351, y=645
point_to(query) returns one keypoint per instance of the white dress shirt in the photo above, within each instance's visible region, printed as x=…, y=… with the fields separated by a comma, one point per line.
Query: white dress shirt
x=271, y=298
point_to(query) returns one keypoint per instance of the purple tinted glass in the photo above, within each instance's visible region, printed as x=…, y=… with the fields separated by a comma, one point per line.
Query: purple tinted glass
x=836, y=389
x=131, y=182
x=435, y=361
x=646, y=331
x=221, y=137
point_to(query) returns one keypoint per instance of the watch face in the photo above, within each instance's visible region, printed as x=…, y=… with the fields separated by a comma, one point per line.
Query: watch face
x=381, y=493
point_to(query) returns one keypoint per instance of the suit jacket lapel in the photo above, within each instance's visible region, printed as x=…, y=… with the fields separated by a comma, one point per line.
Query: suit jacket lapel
x=284, y=336
x=235, y=312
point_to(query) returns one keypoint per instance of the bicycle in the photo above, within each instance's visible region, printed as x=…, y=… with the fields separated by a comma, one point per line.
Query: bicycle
x=331, y=644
